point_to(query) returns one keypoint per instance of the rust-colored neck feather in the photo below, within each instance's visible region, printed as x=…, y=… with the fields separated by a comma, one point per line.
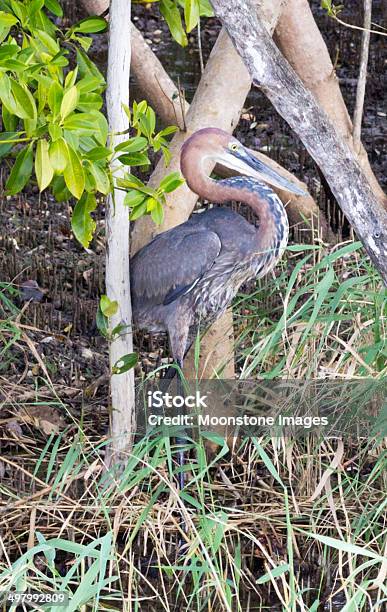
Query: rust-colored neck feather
x=273, y=223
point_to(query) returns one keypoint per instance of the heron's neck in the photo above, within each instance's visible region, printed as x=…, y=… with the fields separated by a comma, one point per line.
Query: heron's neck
x=272, y=233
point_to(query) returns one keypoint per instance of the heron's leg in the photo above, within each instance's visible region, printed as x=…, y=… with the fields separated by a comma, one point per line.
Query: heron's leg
x=178, y=337
x=180, y=441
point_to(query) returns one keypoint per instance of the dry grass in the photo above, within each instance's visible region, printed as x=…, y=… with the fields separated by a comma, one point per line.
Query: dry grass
x=294, y=525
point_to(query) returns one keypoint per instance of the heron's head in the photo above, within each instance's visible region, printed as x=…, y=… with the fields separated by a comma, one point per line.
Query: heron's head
x=227, y=151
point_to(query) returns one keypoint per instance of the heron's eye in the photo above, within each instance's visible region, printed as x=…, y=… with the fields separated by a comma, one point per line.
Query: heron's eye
x=234, y=146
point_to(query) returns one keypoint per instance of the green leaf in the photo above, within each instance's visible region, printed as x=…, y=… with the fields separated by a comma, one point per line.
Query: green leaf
x=55, y=131
x=19, y=10
x=108, y=307
x=55, y=97
x=102, y=128
x=16, y=98
x=138, y=211
x=84, y=41
x=7, y=147
x=49, y=42
x=320, y=293
x=74, y=175
x=89, y=123
x=43, y=168
x=344, y=546
x=69, y=102
x=119, y=330
x=130, y=181
x=135, y=159
x=59, y=155
x=206, y=9
x=326, y=4
x=59, y=189
x=72, y=139
x=127, y=112
x=101, y=178
x=275, y=572
x=91, y=25
x=147, y=122
x=151, y=117
x=83, y=122
x=54, y=7
x=59, y=60
x=267, y=461
x=5, y=94
x=10, y=121
x=191, y=14
x=7, y=20
x=134, y=198
x=88, y=69
x=151, y=203
x=89, y=101
x=88, y=84
x=172, y=16
x=13, y=65
x=7, y=51
x=190, y=500
x=157, y=214
x=98, y=153
x=24, y=100
x=82, y=223
x=71, y=78
x=171, y=182
x=21, y=170
x=125, y=363
x=133, y=145
x=130, y=184
x=102, y=323
x=34, y=6
x=171, y=129
x=42, y=94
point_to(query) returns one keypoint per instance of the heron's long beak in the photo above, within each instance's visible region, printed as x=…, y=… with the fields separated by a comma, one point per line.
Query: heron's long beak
x=243, y=162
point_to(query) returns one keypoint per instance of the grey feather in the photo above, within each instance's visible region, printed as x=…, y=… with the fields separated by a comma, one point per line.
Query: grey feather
x=173, y=260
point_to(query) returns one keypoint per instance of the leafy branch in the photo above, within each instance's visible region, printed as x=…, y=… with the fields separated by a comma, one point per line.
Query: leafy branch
x=334, y=12
x=52, y=120
x=174, y=11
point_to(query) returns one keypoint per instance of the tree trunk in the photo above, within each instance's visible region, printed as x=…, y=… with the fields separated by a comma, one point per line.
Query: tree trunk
x=217, y=103
x=271, y=72
x=155, y=84
x=362, y=81
x=298, y=37
x=117, y=231
x=303, y=46
x=95, y=7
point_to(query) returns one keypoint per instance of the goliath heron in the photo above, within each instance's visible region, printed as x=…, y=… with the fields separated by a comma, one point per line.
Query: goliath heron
x=188, y=275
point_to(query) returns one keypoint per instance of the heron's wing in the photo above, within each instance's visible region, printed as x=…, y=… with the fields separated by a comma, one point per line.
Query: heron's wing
x=173, y=262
